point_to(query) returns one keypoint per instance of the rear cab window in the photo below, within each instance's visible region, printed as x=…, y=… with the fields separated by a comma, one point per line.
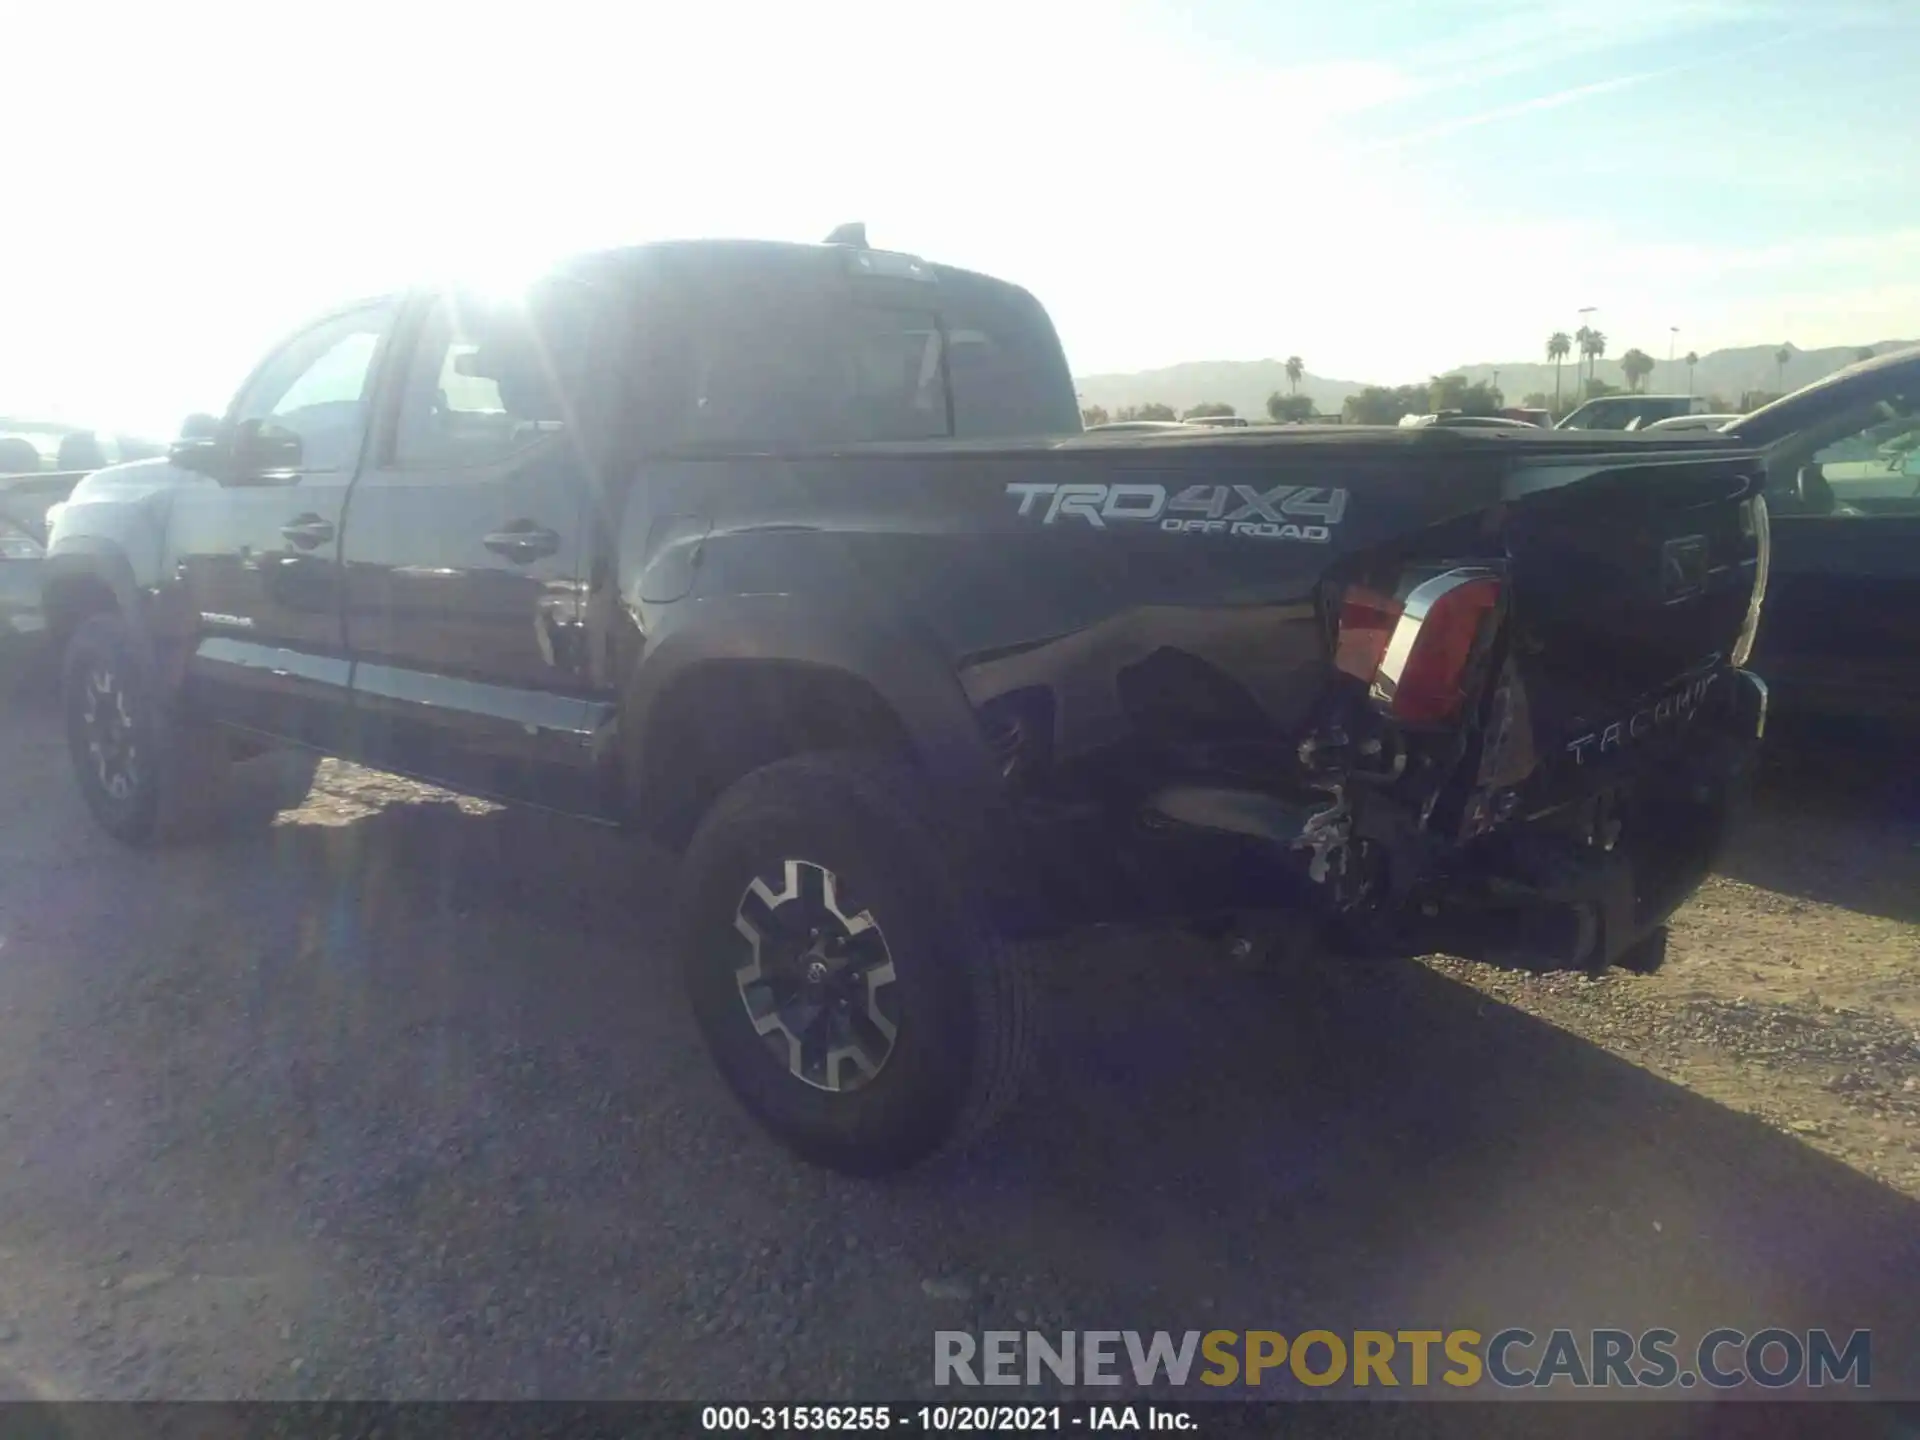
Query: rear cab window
x=794, y=357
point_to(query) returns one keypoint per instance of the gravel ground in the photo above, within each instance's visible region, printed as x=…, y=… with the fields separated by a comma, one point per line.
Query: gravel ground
x=401, y=1100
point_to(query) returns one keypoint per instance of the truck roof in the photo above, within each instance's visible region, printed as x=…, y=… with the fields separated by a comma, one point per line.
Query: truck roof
x=771, y=257
x=722, y=256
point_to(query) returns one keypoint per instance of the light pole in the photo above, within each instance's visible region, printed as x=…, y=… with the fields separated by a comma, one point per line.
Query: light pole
x=1585, y=311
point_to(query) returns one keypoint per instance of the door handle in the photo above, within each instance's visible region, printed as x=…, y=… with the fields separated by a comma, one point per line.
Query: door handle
x=523, y=542
x=307, y=531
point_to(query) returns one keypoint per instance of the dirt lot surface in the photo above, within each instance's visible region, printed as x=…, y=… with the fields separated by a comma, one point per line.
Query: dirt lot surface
x=400, y=1099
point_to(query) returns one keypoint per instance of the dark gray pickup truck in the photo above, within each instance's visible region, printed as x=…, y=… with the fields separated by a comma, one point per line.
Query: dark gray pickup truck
x=794, y=558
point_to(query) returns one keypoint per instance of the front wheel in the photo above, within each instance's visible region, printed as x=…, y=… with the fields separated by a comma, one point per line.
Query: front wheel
x=845, y=980
x=149, y=774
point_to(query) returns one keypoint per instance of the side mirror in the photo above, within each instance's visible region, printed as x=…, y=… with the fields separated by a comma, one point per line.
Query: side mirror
x=253, y=452
x=261, y=448
x=199, y=449
x=203, y=457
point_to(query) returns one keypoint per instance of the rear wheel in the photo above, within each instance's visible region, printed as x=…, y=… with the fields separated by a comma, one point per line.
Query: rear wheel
x=843, y=976
x=147, y=773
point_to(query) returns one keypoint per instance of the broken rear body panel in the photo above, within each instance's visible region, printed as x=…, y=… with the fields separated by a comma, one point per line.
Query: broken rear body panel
x=1146, y=630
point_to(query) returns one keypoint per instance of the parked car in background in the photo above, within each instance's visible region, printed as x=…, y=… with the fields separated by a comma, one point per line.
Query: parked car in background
x=25, y=500
x=1453, y=420
x=27, y=447
x=1482, y=422
x=1690, y=422
x=1220, y=422
x=20, y=456
x=40, y=463
x=1841, y=631
x=1626, y=412
x=1122, y=427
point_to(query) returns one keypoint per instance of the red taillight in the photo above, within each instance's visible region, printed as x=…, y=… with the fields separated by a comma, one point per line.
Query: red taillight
x=1414, y=652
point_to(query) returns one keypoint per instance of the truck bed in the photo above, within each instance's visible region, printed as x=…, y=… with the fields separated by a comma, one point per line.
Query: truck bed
x=1424, y=442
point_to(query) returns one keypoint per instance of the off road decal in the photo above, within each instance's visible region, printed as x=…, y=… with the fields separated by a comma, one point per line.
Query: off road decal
x=1286, y=512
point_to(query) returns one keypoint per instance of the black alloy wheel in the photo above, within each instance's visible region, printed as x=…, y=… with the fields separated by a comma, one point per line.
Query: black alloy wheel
x=840, y=966
x=815, y=980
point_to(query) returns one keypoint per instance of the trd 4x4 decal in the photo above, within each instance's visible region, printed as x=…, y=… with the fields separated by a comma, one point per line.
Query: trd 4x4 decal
x=1286, y=512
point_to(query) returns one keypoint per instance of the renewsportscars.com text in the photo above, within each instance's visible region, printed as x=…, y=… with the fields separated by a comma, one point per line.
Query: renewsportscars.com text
x=1513, y=1358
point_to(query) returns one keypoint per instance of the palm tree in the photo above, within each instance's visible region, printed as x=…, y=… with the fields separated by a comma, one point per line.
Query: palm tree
x=1559, y=346
x=1693, y=359
x=1284, y=408
x=1296, y=367
x=1780, y=358
x=1636, y=365
x=1592, y=345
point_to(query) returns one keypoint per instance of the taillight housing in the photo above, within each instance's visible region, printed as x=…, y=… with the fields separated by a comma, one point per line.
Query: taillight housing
x=1367, y=621
x=1753, y=522
x=1413, y=649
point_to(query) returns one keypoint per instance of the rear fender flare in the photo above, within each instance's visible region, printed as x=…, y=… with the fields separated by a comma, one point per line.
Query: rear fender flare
x=909, y=675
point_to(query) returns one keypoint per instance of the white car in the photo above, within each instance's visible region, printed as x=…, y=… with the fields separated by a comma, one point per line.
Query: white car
x=1136, y=427
x=1691, y=422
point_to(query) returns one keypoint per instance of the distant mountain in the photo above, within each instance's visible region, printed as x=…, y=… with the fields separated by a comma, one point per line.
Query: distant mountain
x=1245, y=384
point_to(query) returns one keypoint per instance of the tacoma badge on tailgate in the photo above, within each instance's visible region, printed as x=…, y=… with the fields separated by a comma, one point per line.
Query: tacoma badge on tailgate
x=1196, y=510
x=1677, y=705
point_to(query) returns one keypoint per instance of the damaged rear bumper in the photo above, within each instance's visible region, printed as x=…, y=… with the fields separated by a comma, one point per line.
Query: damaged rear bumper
x=1578, y=884
x=1584, y=885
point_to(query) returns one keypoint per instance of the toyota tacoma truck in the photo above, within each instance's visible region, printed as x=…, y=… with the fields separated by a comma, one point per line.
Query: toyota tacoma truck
x=795, y=558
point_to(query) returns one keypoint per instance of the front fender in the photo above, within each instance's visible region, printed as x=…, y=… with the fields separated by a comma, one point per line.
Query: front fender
x=75, y=569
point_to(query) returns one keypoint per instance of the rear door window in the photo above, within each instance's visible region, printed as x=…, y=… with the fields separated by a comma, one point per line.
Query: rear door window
x=489, y=377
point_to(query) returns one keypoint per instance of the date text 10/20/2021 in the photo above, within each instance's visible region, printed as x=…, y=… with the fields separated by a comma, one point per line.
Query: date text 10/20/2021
x=944, y=1419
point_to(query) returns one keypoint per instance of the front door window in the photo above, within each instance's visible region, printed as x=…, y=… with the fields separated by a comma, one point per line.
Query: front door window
x=309, y=402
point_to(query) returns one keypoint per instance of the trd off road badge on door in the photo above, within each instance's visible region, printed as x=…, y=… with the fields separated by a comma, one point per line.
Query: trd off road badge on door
x=1286, y=512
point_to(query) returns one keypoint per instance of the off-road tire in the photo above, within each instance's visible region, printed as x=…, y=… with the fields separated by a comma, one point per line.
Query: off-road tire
x=963, y=1002
x=180, y=781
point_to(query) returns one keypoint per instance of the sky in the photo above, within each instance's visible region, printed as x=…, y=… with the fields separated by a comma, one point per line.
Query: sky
x=1387, y=188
